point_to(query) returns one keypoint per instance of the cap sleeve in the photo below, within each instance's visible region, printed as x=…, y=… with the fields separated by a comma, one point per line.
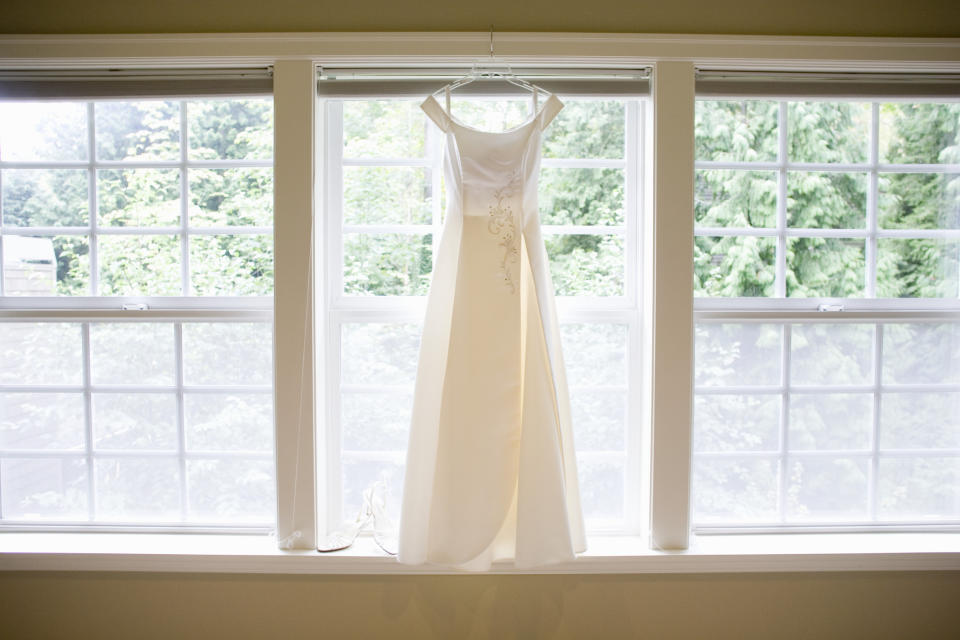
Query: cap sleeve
x=550, y=110
x=436, y=113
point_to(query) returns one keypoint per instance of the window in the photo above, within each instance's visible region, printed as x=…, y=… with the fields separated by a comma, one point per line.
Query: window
x=384, y=207
x=827, y=341
x=135, y=315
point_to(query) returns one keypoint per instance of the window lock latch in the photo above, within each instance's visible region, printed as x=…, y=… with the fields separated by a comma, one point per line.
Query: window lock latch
x=137, y=306
x=829, y=307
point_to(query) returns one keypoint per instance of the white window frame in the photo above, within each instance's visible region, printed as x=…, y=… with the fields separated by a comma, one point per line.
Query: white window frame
x=174, y=311
x=346, y=309
x=786, y=312
x=668, y=299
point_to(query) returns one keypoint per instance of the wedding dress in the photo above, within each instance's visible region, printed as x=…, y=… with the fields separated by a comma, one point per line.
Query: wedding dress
x=491, y=473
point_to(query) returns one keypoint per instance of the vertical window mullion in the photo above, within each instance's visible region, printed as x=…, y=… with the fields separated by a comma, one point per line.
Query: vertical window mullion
x=181, y=436
x=780, y=281
x=872, y=195
x=88, y=420
x=872, y=478
x=92, y=200
x=294, y=110
x=783, y=477
x=184, y=205
x=671, y=353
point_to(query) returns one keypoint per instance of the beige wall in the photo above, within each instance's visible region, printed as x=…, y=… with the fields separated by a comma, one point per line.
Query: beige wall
x=853, y=605
x=873, y=606
x=795, y=17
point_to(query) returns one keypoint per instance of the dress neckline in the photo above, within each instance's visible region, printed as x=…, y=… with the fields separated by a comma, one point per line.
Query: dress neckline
x=533, y=118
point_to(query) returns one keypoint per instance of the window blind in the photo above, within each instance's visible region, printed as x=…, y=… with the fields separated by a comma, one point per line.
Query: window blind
x=770, y=84
x=92, y=84
x=417, y=82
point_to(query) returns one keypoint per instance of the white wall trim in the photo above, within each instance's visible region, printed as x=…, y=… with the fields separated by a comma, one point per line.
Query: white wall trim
x=607, y=555
x=708, y=51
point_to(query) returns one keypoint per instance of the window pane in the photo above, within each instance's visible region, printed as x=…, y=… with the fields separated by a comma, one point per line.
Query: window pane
x=920, y=421
x=825, y=267
x=830, y=421
x=132, y=353
x=826, y=200
x=736, y=422
x=44, y=489
x=581, y=196
x=40, y=353
x=491, y=114
x=739, y=490
x=586, y=265
x=383, y=129
x=376, y=421
x=827, y=489
x=231, y=265
x=139, y=265
x=228, y=353
x=601, y=482
x=231, y=197
x=918, y=200
x=138, y=421
x=144, y=130
x=733, y=267
x=917, y=268
x=46, y=265
x=922, y=132
x=828, y=131
x=595, y=354
x=386, y=195
x=139, y=198
x=228, y=422
x=387, y=264
x=599, y=419
x=43, y=131
x=831, y=354
x=45, y=197
x=919, y=488
x=230, y=129
x=231, y=490
x=587, y=129
x=921, y=353
x=732, y=130
x=138, y=489
x=42, y=421
x=360, y=473
x=737, y=354
x=735, y=199
x=379, y=353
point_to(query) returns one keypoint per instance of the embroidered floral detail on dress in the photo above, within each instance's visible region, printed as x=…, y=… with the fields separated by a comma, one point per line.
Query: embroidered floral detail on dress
x=503, y=224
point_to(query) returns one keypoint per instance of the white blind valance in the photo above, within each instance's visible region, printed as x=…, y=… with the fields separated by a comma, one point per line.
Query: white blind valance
x=91, y=84
x=799, y=84
x=418, y=82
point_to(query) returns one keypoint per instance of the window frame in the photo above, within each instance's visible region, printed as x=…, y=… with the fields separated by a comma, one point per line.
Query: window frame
x=668, y=228
x=86, y=311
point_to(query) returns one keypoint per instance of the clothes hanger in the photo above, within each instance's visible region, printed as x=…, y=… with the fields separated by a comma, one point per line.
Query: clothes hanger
x=479, y=72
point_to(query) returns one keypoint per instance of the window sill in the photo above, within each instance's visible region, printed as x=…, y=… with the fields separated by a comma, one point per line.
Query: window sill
x=609, y=554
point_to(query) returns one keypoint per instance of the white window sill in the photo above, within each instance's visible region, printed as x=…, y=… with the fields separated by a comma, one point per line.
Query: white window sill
x=258, y=554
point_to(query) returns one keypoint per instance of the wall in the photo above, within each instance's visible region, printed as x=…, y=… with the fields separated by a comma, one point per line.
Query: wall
x=764, y=17
x=715, y=607
x=851, y=605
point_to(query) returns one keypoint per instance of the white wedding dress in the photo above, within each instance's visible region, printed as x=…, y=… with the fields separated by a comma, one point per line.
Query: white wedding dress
x=491, y=473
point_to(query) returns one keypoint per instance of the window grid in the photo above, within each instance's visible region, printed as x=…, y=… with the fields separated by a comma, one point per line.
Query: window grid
x=89, y=453
x=94, y=230
x=345, y=309
x=784, y=455
x=870, y=233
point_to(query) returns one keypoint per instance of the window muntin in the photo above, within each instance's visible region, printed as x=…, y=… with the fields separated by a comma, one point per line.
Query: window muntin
x=385, y=199
x=160, y=416
x=137, y=198
x=806, y=421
